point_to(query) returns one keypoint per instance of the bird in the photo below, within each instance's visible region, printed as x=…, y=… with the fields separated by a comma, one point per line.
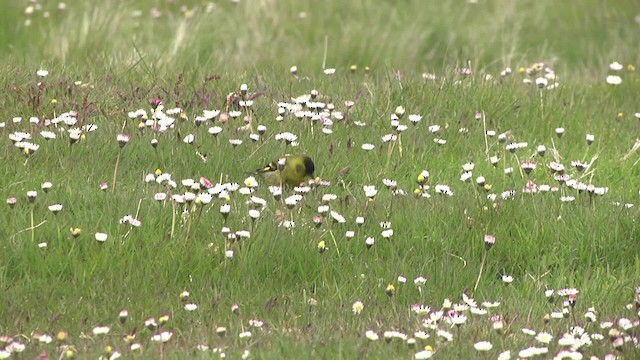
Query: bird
x=290, y=170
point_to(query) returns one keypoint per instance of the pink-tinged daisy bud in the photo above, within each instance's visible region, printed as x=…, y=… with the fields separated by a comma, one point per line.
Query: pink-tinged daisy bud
x=235, y=309
x=243, y=89
x=497, y=323
x=104, y=186
x=317, y=220
x=528, y=166
x=12, y=202
x=559, y=132
x=155, y=103
x=572, y=300
x=123, y=139
x=293, y=70
x=154, y=143
x=489, y=241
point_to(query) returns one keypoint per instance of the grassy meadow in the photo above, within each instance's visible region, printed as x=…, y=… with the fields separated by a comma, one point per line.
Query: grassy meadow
x=476, y=189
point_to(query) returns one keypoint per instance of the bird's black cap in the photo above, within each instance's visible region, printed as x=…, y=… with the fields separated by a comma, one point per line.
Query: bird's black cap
x=309, y=166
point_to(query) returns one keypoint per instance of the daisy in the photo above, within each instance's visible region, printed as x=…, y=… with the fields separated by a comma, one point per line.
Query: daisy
x=544, y=337
x=483, y=346
x=56, y=208
x=162, y=337
x=101, y=237
x=614, y=80
x=123, y=139
x=357, y=307
x=370, y=191
x=372, y=335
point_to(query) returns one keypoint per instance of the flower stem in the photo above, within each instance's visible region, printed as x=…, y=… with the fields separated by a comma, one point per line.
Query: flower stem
x=484, y=258
x=173, y=219
x=33, y=229
x=115, y=170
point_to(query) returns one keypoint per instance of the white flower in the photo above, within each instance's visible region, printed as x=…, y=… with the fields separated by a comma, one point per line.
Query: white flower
x=370, y=191
x=162, y=337
x=189, y=139
x=615, y=66
x=415, y=118
x=369, y=241
x=424, y=354
x=190, y=307
x=544, y=337
x=357, y=307
x=505, y=355
x=368, y=147
x=532, y=351
x=245, y=335
x=507, y=278
x=215, y=130
x=101, y=237
x=541, y=82
x=56, y=208
x=101, y=330
x=614, y=80
x=371, y=335
x=337, y=217
x=42, y=73
x=483, y=346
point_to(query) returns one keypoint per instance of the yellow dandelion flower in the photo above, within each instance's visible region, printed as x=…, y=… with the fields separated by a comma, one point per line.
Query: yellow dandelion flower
x=390, y=290
x=75, y=232
x=61, y=336
x=322, y=247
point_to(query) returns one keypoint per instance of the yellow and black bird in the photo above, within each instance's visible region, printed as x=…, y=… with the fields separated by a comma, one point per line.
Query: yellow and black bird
x=290, y=170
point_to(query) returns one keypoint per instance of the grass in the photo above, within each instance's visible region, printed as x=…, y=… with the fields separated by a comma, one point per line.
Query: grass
x=193, y=58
